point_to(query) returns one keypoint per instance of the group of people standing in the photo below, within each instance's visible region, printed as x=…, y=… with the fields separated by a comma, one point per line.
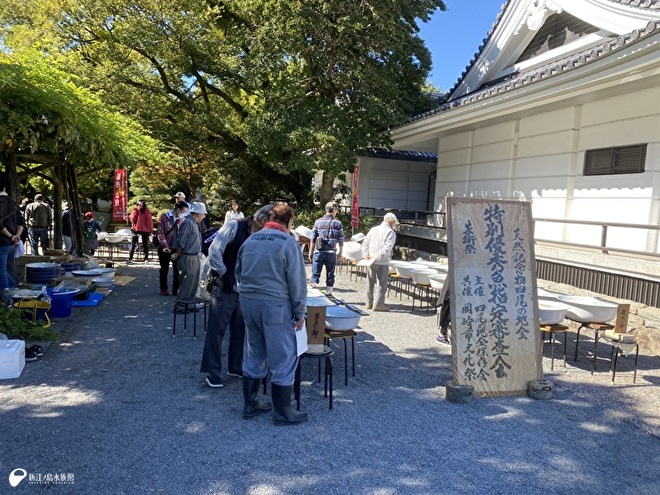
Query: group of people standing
x=259, y=255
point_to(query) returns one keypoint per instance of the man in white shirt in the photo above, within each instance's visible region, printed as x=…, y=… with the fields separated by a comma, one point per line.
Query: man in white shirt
x=379, y=245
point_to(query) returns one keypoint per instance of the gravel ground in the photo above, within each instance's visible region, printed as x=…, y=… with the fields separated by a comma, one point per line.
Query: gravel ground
x=120, y=405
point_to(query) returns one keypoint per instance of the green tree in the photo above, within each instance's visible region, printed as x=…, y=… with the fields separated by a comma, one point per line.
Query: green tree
x=261, y=91
x=52, y=129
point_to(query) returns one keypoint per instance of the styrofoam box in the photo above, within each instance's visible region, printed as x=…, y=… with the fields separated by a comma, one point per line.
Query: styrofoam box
x=12, y=358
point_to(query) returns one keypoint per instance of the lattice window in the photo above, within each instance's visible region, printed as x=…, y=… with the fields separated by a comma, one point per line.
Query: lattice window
x=620, y=160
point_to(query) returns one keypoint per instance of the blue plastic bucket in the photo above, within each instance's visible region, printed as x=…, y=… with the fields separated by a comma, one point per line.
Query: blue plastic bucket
x=60, y=303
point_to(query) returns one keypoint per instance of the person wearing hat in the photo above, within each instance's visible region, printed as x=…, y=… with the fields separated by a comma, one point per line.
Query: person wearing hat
x=38, y=218
x=91, y=228
x=379, y=246
x=225, y=309
x=142, y=226
x=185, y=246
x=167, y=225
x=328, y=233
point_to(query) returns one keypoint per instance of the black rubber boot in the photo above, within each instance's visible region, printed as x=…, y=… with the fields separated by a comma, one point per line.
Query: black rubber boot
x=283, y=414
x=252, y=405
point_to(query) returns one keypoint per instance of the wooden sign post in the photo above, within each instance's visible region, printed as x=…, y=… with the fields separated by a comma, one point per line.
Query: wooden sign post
x=496, y=340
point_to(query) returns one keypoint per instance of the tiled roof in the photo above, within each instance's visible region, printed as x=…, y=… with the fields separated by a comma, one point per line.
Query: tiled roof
x=650, y=4
x=484, y=42
x=551, y=69
x=411, y=156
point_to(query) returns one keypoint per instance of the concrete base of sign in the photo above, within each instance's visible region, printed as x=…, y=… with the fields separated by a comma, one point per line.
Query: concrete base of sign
x=458, y=393
x=540, y=389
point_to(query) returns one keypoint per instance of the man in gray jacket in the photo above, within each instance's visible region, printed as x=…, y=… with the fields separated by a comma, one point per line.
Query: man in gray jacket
x=273, y=293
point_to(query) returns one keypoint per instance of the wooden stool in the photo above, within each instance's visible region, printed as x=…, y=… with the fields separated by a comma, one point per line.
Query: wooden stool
x=553, y=330
x=334, y=334
x=596, y=327
x=185, y=306
x=327, y=387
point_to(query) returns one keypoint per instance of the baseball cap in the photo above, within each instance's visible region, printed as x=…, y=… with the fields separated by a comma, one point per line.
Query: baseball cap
x=331, y=205
x=198, y=208
x=391, y=218
x=179, y=195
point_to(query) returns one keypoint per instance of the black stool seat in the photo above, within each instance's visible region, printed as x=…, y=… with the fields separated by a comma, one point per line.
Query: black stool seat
x=327, y=387
x=185, y=306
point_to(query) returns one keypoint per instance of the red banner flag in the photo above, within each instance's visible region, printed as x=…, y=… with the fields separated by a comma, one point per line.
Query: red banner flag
x=355, y=208
x=120, y=196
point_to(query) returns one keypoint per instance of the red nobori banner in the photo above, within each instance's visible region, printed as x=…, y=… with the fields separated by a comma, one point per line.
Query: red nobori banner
x=355, y=208
x=120, y=196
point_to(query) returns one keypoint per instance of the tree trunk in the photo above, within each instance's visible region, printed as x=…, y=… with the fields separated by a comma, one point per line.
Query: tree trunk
x=326, y=188
x=58, y=188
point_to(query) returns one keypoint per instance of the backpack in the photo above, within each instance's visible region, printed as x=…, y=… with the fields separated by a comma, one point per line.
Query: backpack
x=207, y=239
x=90, y=231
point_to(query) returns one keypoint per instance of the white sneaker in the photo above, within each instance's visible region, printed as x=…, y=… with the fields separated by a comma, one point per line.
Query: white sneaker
x=329, y=290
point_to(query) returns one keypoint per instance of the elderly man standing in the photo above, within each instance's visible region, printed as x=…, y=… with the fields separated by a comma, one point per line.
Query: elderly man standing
x=186, y=245
x=328, y=234
x=273, y=290
x=378, y=246
x=225, y=305
x=38, y=218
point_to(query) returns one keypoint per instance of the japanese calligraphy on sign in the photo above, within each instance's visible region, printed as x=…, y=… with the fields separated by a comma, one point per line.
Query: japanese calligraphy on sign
x=496, y=341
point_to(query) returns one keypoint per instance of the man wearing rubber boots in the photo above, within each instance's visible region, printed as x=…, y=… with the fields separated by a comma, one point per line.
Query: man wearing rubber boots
x=273, y=292
x=225, y=308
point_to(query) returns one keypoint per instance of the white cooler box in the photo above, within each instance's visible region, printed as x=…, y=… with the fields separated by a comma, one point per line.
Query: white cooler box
x=12, y=358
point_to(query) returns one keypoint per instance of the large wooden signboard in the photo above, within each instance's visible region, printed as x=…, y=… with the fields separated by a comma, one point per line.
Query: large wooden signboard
x=496, y=341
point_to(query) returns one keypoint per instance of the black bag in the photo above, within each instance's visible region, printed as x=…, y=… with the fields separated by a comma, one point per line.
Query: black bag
x=320, y=243
x=207, y=239
x=154, y=238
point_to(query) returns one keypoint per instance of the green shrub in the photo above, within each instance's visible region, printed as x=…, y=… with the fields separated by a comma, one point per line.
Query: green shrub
x=307, y=218
x=16, y=327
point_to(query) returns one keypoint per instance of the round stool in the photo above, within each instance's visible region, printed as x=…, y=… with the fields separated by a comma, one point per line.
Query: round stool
x=185, y=306
x=327, y=387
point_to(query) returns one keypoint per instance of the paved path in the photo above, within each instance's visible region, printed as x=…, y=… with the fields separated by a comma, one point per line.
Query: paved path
x=120, y=405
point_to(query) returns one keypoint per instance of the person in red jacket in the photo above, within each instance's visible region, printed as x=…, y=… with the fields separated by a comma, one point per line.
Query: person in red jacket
x=142, y=225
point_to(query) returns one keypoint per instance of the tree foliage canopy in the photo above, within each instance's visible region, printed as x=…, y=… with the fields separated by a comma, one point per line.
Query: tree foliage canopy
x=262, y=91
x=80, y=129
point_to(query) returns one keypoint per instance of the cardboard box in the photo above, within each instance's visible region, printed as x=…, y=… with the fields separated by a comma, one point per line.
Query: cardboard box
x=315, y=328
x=12, y=358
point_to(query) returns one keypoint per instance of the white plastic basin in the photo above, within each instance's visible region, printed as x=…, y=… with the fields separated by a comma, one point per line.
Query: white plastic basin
x=86, y=273
x=352, y=251
x=552, y=312
x=586, y=309
x=312, y=292
x=341, y=318
x=102, y=282
x=546, y=295
x=421, y=276
x=438, y=280
x=404, y=271
x=319, y=301
x=359, y=237
x=304, y=231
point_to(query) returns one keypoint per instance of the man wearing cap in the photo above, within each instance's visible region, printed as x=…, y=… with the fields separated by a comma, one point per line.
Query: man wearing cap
x=185, y=245
x=38, y=219
x=225, y=308
x=328, y=233
x=378, y=246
